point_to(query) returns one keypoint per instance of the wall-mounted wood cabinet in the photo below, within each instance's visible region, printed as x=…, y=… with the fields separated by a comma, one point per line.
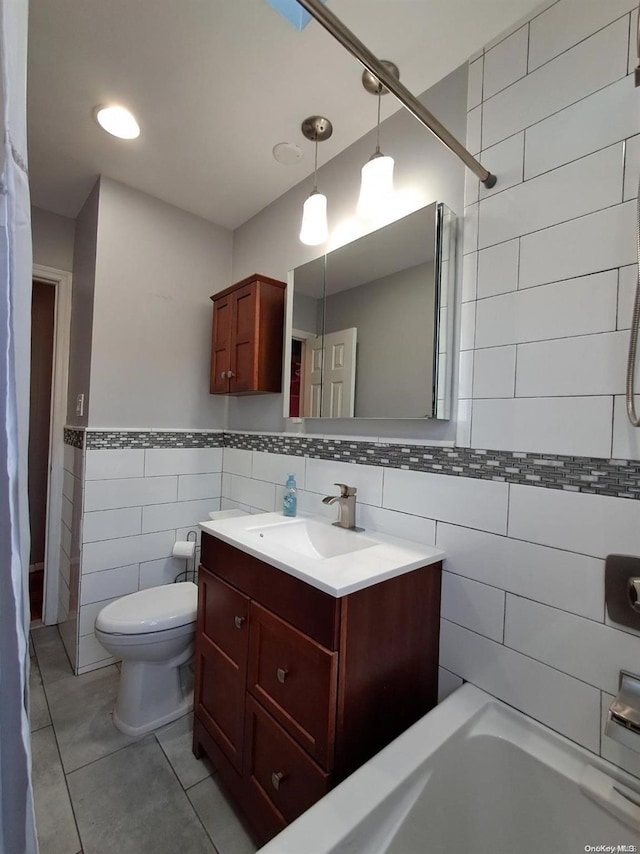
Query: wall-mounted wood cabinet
x=295, y=689
x=246, y=346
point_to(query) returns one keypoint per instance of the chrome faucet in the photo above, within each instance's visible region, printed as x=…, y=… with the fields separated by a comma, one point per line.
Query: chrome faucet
x=347, y=503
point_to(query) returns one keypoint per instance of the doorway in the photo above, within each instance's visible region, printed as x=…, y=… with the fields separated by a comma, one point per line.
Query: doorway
x=43, y=312
x=50, y=332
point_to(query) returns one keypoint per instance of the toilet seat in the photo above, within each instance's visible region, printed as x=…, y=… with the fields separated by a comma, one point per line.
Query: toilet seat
x=152, y=611
x=119, y=642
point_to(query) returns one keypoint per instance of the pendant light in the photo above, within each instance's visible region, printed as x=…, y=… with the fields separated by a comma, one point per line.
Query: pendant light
x=314, y=228
x=376, y=187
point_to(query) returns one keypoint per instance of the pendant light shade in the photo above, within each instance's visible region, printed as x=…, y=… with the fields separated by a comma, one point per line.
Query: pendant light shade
x=376, y=187
x=314, y=228
x=376, y=183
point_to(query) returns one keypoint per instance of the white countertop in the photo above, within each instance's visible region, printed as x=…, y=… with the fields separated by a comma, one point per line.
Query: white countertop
x=378, y=558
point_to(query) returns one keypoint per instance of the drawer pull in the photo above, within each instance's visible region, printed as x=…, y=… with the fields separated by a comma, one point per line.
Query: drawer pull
x=239, y=621
x=276, y=779
x=281, y=673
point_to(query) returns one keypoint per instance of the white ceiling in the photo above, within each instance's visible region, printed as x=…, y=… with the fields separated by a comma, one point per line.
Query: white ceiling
x=215, y=84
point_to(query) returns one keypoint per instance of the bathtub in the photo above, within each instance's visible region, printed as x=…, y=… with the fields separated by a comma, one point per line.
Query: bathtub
x=473, y=775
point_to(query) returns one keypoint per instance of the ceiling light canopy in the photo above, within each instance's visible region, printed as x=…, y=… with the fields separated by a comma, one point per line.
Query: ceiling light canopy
x=117, y=121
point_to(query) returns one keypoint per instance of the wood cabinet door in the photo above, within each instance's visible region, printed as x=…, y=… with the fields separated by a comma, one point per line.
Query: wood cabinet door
x=244, y=337
x=222, y=640
x=282, y=780
x=296, y=680
x=221, y=346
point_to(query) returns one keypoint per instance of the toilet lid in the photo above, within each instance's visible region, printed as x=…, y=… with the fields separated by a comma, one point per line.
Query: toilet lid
x=151, y=610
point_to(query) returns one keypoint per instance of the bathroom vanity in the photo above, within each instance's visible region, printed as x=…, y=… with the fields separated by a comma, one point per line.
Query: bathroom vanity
x=300, y=680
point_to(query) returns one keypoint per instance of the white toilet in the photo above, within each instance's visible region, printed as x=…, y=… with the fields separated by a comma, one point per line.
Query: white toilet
x=153, y=633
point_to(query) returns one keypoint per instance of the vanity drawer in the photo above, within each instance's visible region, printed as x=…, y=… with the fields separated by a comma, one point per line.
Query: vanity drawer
x=314, y=612
x=283, y=781
x=295, y=678
x=223, y=614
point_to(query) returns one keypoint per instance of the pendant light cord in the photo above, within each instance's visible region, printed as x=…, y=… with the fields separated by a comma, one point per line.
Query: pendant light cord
x=315, y=168
x=378, y=130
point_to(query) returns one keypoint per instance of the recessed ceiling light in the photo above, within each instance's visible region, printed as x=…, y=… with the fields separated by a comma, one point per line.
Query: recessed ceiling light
x=117, y=121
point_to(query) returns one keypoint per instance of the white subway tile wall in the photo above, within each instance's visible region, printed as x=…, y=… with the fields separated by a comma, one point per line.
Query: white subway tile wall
x=70, y=549
x=556, y=235
x=627, y=281
x=632, y=167
x=137, y=503
x=506, y=62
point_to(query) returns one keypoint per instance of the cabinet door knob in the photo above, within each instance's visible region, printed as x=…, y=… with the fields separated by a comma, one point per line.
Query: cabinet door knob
x=230, y=374
x=276, y=778
x=223, y=374
x=239, y=622
x=281, y=673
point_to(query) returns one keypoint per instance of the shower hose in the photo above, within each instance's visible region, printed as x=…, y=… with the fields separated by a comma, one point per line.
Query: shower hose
x=633, y=338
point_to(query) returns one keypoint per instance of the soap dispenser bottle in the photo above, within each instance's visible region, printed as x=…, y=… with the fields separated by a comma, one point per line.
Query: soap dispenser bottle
x=290, y=500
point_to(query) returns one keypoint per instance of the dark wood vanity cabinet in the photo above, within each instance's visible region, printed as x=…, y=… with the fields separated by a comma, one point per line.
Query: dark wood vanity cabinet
x=294, y=688
x=246, y=339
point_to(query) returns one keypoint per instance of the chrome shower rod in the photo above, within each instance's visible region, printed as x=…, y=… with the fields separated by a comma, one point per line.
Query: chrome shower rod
x=357, y=49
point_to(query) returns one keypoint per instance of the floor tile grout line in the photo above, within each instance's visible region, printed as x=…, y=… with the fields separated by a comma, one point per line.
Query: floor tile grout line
x=105, y=755
x=184, y=788
x=55, y=738
x=184, y=791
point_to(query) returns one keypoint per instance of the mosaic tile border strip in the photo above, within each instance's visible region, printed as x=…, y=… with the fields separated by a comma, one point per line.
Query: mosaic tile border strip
x=590, y=475
x=618, y=478
x=75, y=438
x=131, y=439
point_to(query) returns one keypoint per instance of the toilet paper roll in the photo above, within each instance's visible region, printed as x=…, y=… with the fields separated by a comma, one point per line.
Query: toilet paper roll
x=184, y=549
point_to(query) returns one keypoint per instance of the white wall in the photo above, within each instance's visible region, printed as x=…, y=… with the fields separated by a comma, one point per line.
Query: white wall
x=53, y=237
x=547, y=288
x=425, y=171
x=156, y=269
x=80, y=345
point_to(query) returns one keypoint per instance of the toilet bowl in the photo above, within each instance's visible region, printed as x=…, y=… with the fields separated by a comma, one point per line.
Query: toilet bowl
x=152, y=632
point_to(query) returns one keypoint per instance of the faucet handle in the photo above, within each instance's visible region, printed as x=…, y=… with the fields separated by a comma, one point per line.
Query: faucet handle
x=346, y=491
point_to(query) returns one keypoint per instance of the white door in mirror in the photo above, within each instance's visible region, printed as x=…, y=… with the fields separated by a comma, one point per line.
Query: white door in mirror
x=331, y=395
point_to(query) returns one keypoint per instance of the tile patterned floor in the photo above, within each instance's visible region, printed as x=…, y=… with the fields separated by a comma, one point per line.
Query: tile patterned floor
x=100, y=792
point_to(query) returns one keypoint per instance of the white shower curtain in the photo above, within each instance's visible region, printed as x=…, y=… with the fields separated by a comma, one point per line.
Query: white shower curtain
x=17, y=825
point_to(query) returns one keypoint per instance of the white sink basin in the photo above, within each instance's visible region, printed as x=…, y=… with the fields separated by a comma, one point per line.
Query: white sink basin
x=312, y=539
x=332, y=559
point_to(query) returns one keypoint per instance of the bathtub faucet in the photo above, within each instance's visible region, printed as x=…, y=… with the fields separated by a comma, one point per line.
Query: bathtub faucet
x=623, y=718
x=347, y=502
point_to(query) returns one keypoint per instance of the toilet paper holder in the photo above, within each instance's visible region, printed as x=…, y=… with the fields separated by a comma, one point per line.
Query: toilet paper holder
x=188, y=554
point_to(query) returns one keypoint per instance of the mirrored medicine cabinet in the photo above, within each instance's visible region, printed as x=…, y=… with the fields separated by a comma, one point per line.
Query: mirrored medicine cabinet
x=370, y=324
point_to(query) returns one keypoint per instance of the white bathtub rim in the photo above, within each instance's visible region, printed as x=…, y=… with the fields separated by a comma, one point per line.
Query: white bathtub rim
x=362, y=793
x=399, y=765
